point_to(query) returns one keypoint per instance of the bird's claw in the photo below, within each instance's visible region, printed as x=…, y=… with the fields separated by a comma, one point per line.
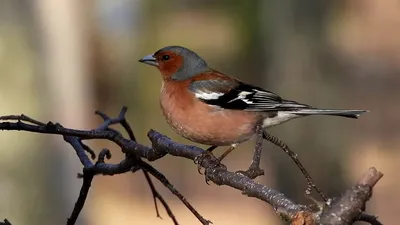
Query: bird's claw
x=252, y=172
x=206, y=179
x=199, y=159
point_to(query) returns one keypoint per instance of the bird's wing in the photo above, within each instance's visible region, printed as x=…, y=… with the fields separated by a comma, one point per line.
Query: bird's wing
x=234, y=94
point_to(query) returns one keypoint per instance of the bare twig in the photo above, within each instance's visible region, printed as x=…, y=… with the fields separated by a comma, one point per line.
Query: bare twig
x=156, y=196
x=311, y=183
x=79, y=150
x=88, y=149
x=121, y=119
x=87, y=176
x=87, y=182
x=22, y=117
x=168, y=185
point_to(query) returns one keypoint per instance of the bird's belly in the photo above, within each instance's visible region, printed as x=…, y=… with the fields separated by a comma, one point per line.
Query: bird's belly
x=216, y=127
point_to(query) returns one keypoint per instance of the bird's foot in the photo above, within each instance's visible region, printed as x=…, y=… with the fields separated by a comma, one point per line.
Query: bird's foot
x=201, y=157
x=207, y=155
x=252, y=172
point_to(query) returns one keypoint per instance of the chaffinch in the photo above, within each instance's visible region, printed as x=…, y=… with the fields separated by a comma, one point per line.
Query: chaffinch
x=212, y=108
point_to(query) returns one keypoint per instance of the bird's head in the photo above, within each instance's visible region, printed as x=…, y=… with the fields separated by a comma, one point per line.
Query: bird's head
x=176, y=62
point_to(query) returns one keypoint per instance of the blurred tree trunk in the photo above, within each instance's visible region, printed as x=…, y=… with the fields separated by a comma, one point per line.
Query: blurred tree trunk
x=67, y=94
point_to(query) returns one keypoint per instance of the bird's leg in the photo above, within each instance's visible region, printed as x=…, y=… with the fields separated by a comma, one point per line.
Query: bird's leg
x=254, y=170
x=201, y=157
x=311, y=184
x=227, y=151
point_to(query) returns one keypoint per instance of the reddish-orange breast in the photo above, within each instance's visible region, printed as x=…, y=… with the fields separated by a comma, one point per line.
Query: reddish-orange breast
x=202, y=123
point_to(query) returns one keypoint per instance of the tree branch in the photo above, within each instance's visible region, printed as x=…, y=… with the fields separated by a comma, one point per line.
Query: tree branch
x=124, y=123
x=131, y=163
x=351, y=205
x=345, y=210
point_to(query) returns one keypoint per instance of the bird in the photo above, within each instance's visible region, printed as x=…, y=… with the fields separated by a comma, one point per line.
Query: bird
x=209, y=107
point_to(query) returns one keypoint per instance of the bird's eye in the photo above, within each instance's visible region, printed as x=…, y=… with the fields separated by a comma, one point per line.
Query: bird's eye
x=165, y=57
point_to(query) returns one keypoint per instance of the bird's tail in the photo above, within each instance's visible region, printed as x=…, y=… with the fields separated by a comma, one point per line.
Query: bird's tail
x=331, y=112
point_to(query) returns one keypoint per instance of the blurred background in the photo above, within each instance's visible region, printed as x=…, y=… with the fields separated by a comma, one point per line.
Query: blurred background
x=62, y=60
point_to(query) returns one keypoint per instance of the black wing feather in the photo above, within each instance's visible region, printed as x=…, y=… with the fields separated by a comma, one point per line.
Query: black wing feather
x=246, y=97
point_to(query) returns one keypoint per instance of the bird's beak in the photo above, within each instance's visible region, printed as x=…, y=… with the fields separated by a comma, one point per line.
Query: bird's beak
x=150, y=60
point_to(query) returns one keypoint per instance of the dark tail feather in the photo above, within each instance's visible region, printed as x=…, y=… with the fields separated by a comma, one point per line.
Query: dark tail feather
x=331, y=112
